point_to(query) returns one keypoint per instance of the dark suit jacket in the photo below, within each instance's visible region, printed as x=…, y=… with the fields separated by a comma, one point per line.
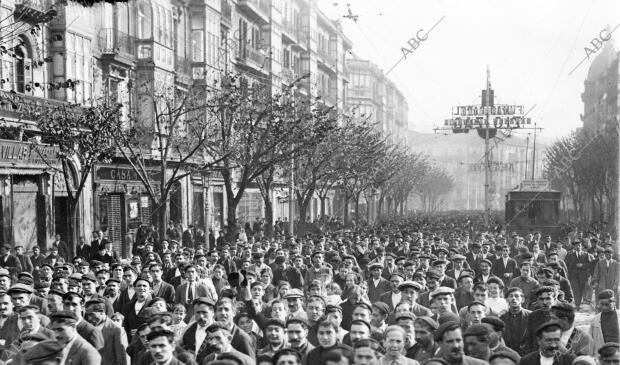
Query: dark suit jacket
x=180, y=297
x=534, y=359
x=505, y=272
x=535, y=319
x=387, y=299
x=82, y=353
x=578, y=274
x=12, y=264
x=133, y=320
x=90, y=333
x=85, y=251
x=165, y=291
x=188, y=343
x=374, y=292
x=115, y=344
x=26, y=263
x=242, y=342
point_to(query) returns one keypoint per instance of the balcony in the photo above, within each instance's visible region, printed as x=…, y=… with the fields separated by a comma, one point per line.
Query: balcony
x=327, y=59
x=256, y=8
x=113, y=42
x=34, y=11
x=290, y=31
x=254, y=56
x=183, y=66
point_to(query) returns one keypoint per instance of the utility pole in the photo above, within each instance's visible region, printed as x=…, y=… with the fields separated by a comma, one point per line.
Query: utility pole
x=527, y=154
x=486, y=118
x=534, y=153
x=487, y=111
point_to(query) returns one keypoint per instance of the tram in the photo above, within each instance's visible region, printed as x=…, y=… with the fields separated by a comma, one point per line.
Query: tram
x=533, y=207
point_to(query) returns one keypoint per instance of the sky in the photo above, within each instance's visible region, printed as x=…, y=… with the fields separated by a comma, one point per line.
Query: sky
x=530, y=46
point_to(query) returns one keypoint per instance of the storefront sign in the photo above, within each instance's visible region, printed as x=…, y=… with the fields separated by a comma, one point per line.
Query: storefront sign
x=13, y=151
x=123, y=174
x=21, y=106
x=535, y=185
x=496, y=110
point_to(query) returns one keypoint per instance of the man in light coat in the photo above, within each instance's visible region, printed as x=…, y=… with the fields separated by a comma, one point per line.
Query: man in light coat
x=604, y=326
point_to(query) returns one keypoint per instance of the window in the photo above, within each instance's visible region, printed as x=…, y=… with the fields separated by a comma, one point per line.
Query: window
x=144, y=20
x=243, y=36
x=213, y=38
x=286, y=58
x=198, y=39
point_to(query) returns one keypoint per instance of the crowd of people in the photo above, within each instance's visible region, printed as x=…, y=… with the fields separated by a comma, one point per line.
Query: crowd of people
x=430, y=290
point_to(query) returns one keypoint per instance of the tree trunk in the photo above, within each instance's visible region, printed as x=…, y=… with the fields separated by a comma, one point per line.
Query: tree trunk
x=345, y=218
x=231, y=217
x=303, y=211
x=323, y=198
x=268, y=217
x=380, y=205
x=357, y=208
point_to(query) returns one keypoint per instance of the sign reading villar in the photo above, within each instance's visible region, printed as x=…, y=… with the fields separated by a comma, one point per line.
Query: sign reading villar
x=13, y=151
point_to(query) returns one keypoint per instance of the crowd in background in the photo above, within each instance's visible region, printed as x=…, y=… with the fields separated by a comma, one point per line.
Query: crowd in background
x=430, y=289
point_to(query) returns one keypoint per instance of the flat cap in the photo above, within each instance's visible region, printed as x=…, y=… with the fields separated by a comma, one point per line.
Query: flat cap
x=410, y=284
x=294, y=294
x=25, y=274
x=63, y=315
x=404, y=315
x=441, y=291
x=495, y=322
x=19, y=288
x=76, y=276
x=330, y=308
x=433, y=274
x=486, y=261
x=457, y=257
x=546, y=325
x=257, y=255
x=375, y=265
x=204, y=300
x=45, y=350
x=383, y=308
x=608, y=349
x=4, y=272
x=512, y=356
x=112, y=280
x=428, y=321
x=90, y=277
x=280, y=260
x=275, y=322
x=439, y=262
x=443, y=327
x=481, y=329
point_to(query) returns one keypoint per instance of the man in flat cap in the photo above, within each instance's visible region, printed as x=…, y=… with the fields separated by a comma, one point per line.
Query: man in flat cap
x=76, y=348
x=46, y=352
x=114, y=337
x=549, y=350
x=393, y=296
x=477, y=338
x=425, y=346
x=497, y=344
x=194, y=338
x=74, y=302
x=609, y=353
x=449, y=336
x=377, y=285
x=275, y=336
x=605, y=325
x=574, y=340
x=606, y=274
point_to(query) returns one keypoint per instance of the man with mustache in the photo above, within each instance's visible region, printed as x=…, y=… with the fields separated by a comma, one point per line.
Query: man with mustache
x=161, y=346
x=548, y=337
x=450, y=339
x=219, y=338
x=297, y=333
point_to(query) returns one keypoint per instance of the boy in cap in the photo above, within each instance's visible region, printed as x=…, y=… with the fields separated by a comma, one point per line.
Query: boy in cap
x=605, y=325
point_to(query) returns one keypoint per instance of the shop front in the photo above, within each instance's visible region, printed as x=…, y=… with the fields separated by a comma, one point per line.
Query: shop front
x=28, y=195
x=122, y=205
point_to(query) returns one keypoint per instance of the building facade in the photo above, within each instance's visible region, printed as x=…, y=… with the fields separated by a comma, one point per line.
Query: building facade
x=111, y=50
x=376, y=97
